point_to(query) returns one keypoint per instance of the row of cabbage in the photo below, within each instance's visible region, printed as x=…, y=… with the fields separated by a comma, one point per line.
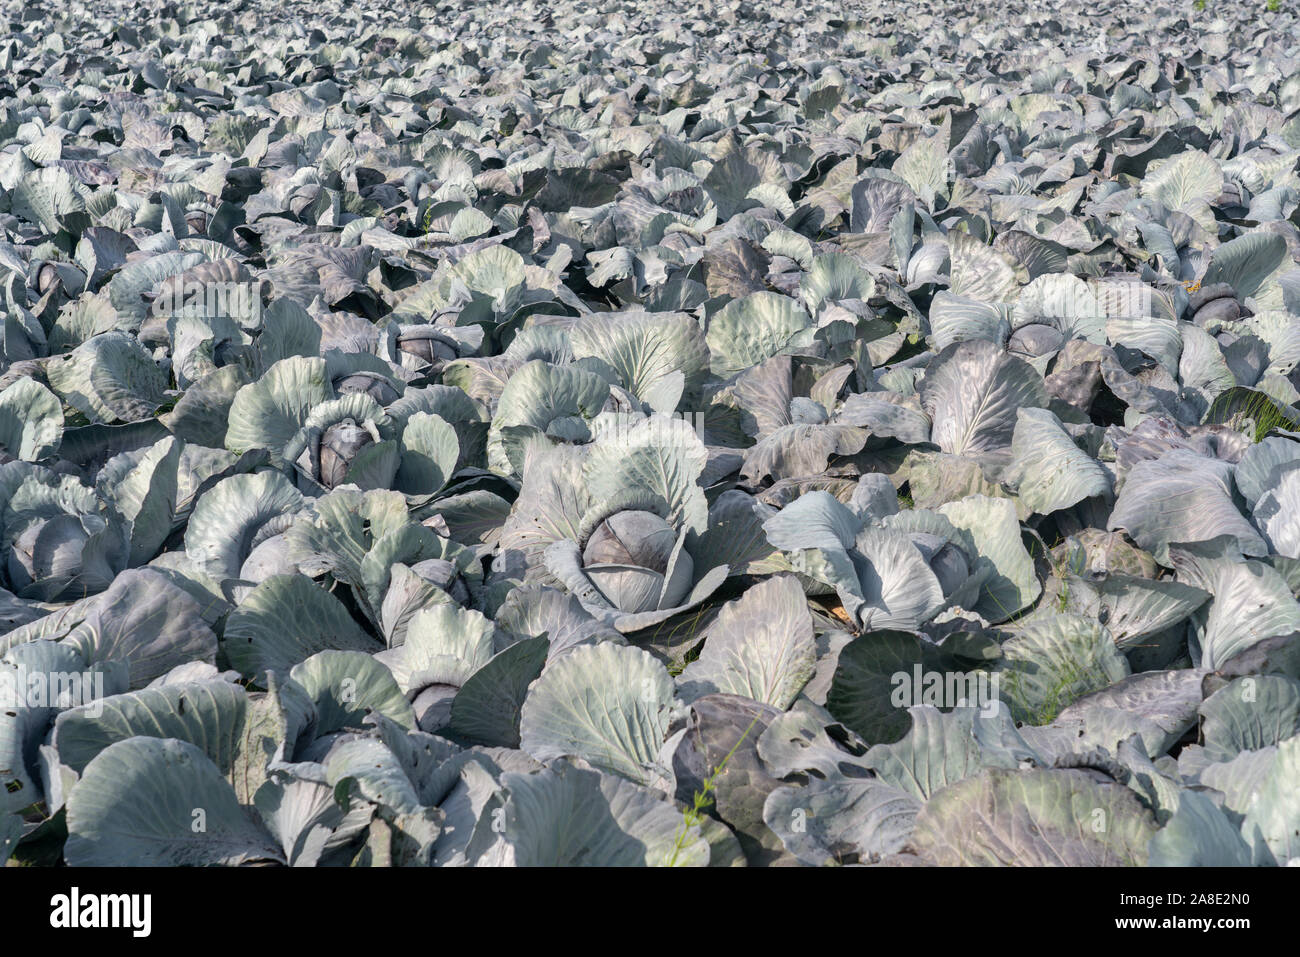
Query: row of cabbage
x=734, y=433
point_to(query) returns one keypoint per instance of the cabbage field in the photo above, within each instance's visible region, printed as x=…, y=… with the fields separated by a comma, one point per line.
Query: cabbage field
x=720, y=433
